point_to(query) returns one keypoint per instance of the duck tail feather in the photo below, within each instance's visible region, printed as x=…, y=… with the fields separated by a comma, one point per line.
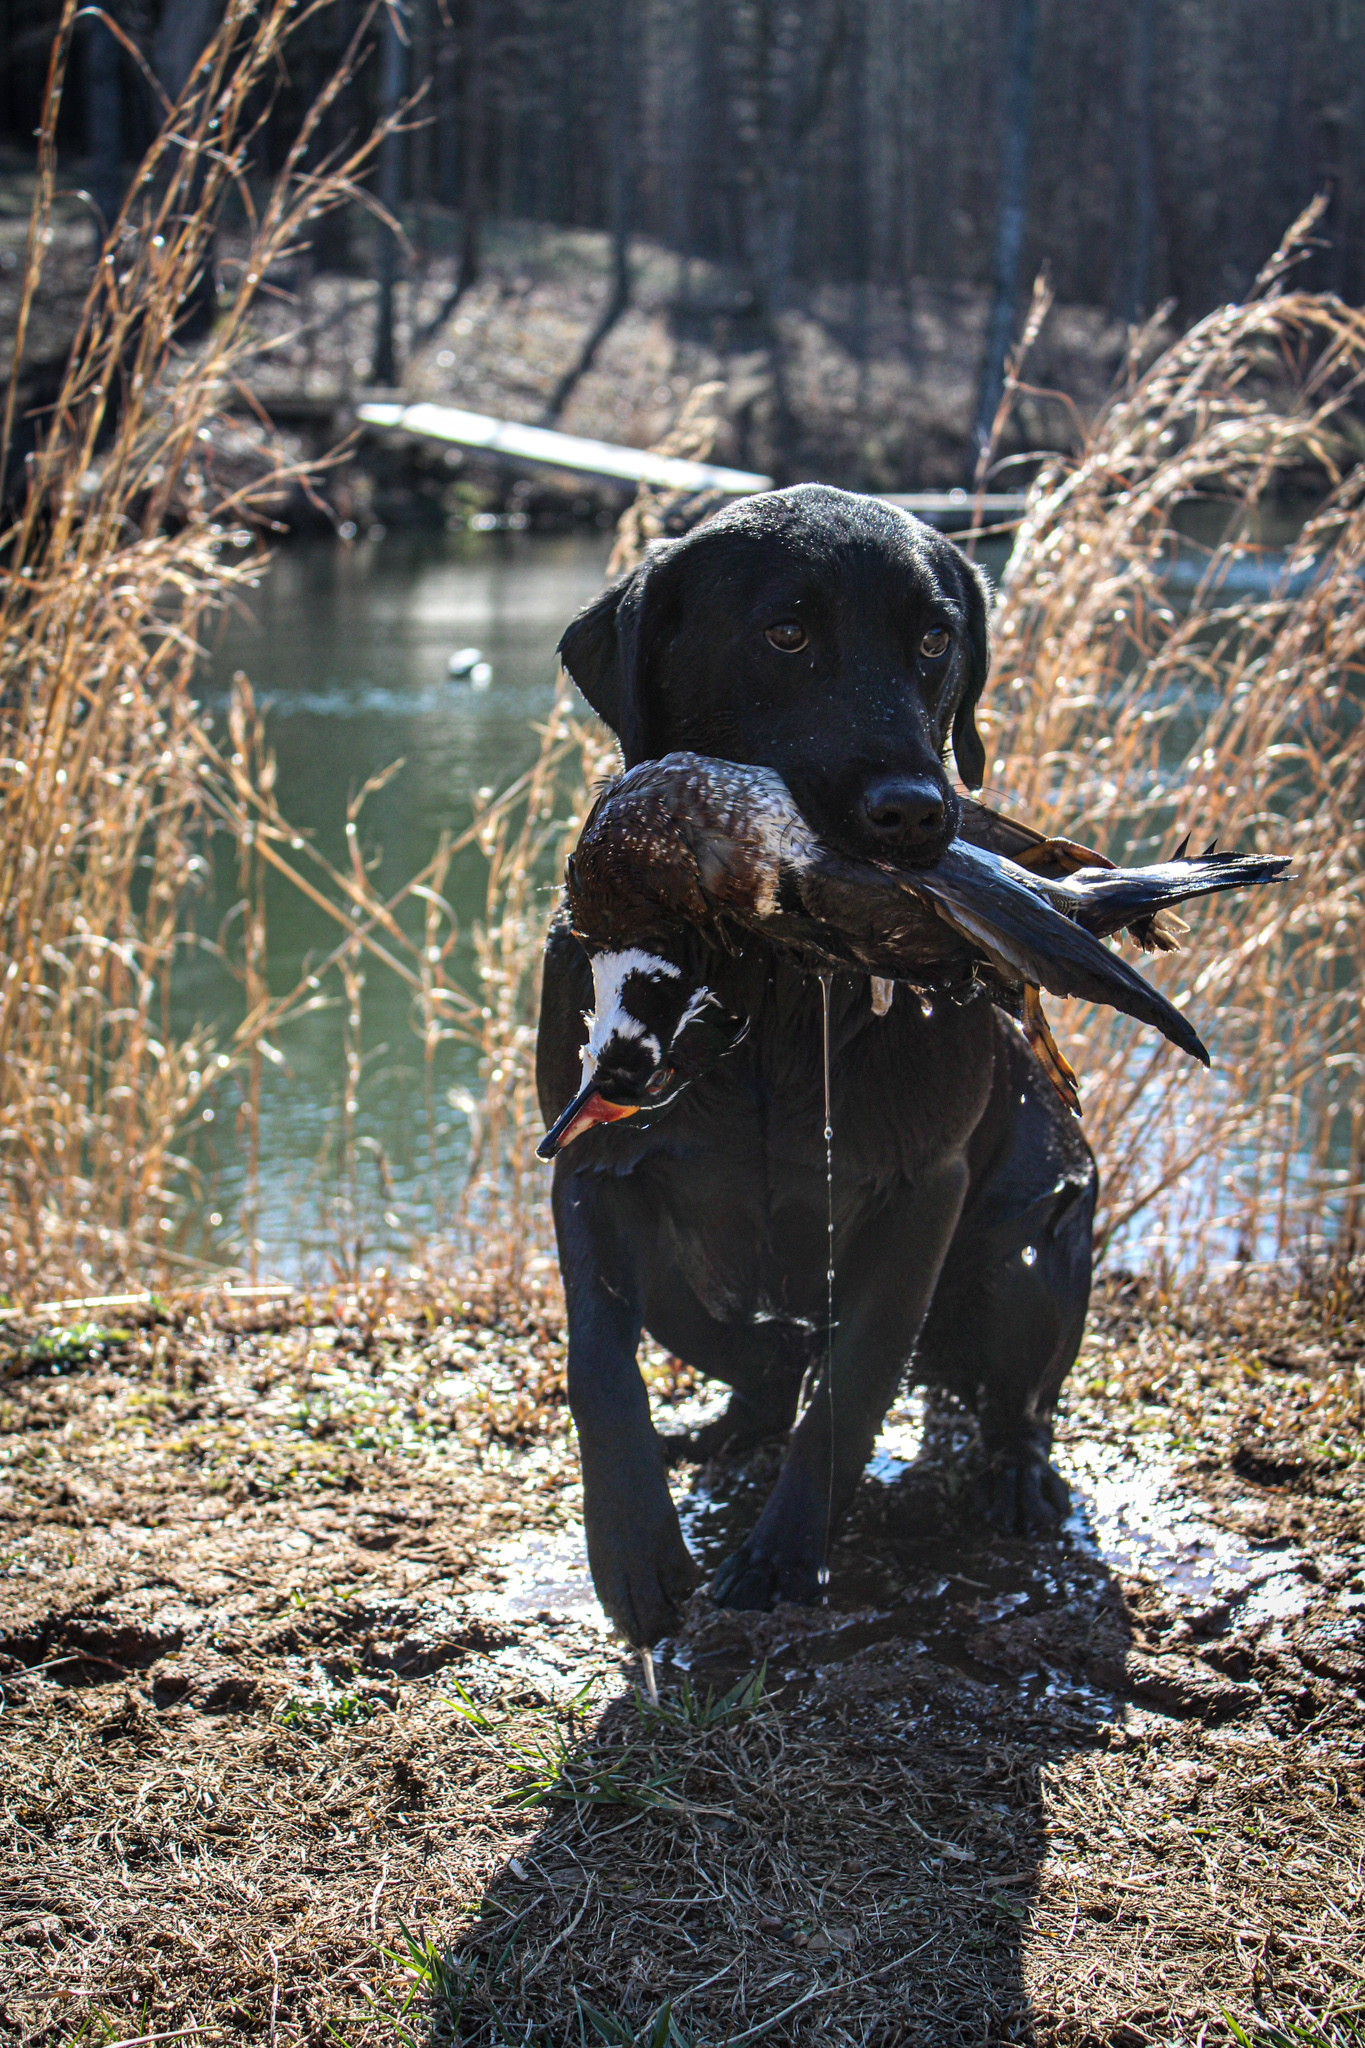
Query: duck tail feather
x=1107, y=899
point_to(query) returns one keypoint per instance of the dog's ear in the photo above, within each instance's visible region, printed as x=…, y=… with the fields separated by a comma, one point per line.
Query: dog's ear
x=590, y=652
x=968, y=751
x=606, y=651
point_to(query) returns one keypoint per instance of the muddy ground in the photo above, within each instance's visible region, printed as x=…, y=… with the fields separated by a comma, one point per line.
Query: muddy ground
x=311, y=1731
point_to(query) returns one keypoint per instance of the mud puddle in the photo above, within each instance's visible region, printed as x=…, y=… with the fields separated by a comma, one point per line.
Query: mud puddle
x=914, y=1568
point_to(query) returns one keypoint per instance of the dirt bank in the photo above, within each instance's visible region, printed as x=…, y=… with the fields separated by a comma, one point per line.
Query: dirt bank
x=294, y=1613
x=875, y=392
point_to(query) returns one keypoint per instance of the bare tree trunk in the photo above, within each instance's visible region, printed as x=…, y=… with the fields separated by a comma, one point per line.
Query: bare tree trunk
x=619, y=297
x=904, y=251
x=709, y=166
x=393, y=71
x=103, y=68
x=471, y=198
x=859, y=231
x=796, y=91
x=447, y=122
x=420, y=162
x=331, y=236
x=458, y=150
x=1138, y=297
x=1011, y=218
x=186, y=26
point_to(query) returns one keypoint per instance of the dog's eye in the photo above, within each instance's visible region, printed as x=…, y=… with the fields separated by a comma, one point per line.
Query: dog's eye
x=934, y=643
x=789, y=637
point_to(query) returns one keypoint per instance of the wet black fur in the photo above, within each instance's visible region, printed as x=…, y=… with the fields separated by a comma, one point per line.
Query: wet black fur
x=952, y=1154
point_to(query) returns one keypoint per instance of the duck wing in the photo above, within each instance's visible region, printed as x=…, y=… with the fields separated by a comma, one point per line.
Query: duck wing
x=999, y=914
x=1054, y=859
x=1002, y=910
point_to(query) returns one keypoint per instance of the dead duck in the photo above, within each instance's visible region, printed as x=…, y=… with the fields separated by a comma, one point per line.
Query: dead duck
x=719, y=849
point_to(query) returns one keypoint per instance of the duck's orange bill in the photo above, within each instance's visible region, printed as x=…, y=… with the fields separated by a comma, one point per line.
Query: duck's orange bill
x=586, y=1109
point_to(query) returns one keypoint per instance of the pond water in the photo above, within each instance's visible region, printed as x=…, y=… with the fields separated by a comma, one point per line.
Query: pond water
x=349, y=648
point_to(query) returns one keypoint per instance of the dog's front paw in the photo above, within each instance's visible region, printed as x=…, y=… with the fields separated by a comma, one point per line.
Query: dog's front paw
x=641, y=1567
x=1021, y=1494
x=753, y=1578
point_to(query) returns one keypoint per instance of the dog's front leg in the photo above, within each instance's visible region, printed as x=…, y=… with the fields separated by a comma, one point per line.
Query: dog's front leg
x=882, y=1290
x=641, y=1567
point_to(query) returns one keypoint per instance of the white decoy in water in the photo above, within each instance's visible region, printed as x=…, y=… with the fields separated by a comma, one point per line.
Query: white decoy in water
x=463, y=662
x=721, y=848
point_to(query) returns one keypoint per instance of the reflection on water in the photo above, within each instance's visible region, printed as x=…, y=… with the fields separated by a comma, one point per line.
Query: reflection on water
x=350, y=650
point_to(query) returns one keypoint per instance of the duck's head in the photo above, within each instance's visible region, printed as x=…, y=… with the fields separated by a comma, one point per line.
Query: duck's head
x=655, y=1028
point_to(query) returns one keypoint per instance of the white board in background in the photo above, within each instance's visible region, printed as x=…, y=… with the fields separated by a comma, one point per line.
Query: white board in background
x=520, y=442
x=560, y=451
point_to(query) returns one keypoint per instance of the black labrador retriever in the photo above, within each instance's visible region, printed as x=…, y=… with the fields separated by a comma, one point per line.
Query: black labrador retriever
x=844, y=644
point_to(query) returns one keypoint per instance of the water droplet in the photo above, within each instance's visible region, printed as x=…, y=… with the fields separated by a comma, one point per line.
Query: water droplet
x=826, y=981
x=926, y=1008
x=1029, y=1254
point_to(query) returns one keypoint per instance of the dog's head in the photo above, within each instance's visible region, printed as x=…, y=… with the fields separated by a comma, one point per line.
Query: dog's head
x=831, y=637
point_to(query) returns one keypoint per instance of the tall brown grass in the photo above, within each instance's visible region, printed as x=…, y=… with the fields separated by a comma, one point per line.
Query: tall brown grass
x=1162, y=666
x=1120, y=711
x=120, y=547
x=112, y=782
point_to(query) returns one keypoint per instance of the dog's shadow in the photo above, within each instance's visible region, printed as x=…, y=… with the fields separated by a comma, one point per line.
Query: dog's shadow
x=833, y=1823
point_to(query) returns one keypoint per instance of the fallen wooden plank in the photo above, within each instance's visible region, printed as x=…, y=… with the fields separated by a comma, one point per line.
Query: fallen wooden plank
x=560, y=451
x=957, y=506
x=519, y=442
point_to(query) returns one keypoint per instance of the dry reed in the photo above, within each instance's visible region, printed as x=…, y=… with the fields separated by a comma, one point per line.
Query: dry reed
x=120, y=546
x=1126, y=710
x=113, y=782
x=1119, y=711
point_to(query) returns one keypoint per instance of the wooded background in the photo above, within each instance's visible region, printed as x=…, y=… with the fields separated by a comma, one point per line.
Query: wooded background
x=1152, y=148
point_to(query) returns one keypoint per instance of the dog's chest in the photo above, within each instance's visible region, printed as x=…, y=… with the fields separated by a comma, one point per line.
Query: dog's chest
x=740, y=1175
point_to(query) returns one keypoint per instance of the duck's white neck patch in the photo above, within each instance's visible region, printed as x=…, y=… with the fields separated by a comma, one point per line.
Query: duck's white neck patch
x=610, y=1018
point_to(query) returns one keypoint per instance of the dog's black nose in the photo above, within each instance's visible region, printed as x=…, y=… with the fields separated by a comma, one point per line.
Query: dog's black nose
x=904, y=811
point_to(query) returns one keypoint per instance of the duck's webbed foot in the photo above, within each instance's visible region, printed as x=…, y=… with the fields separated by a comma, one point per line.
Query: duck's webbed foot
x=1047, y=1052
